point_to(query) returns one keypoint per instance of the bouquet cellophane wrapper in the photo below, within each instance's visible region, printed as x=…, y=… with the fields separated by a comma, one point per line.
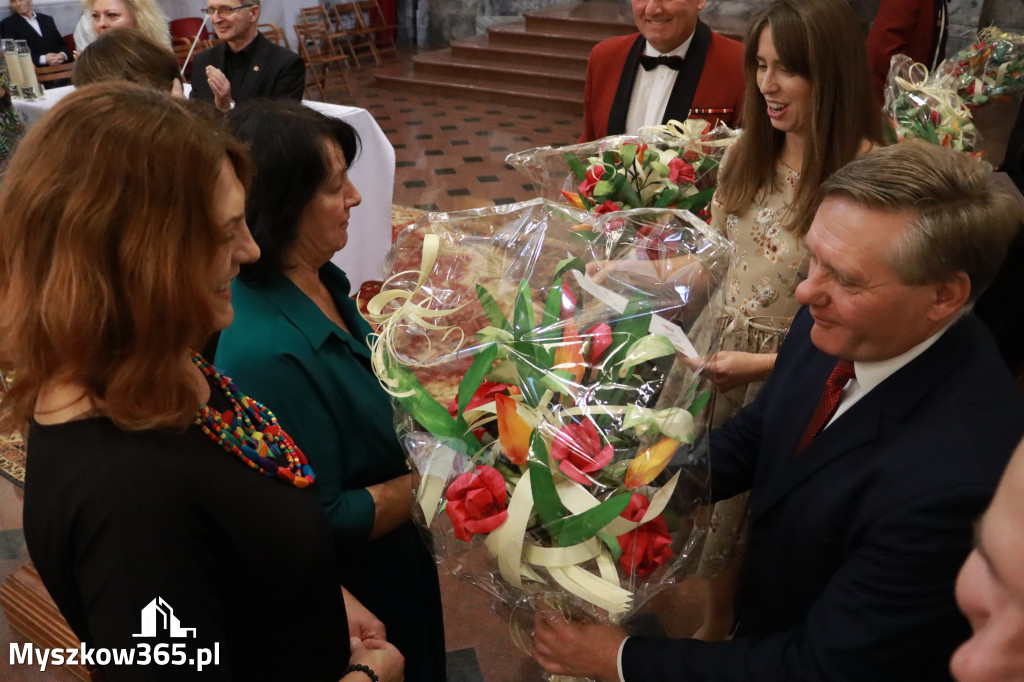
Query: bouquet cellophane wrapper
x=554, y=422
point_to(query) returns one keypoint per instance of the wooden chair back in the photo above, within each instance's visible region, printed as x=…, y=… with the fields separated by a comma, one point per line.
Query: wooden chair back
x=325, y=62
x=59, y=72
x=275, y=35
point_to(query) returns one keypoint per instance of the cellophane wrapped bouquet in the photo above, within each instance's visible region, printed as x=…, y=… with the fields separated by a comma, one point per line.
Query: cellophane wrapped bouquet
x=989, y=70
x=670, y=166
x=927, y=106
x=550, y=418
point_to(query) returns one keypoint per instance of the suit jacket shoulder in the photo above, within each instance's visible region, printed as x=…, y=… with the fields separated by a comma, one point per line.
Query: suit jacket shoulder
x=717, y=98
x=855, y=543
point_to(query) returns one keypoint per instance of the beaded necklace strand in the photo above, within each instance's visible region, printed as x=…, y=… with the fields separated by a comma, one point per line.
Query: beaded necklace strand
x=250, y=432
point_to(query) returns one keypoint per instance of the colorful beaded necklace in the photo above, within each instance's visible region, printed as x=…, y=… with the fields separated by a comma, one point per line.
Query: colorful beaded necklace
x=250, y=431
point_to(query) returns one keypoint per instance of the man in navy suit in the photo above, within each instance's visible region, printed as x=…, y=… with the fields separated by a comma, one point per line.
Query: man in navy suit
x=38, y=30
x=861, y=518
x=247, y=65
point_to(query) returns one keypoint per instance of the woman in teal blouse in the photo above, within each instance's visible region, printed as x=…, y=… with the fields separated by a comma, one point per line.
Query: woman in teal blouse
x=298, y=344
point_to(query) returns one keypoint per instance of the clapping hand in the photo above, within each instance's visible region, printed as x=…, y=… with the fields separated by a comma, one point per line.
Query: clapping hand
x=220, y=86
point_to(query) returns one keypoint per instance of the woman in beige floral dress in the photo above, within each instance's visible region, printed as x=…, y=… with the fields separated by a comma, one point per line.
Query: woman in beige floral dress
x=808, y=111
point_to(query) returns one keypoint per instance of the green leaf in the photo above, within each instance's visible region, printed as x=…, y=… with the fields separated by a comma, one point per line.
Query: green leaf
x=575, y=166
x=567, y=264
x=558, y=380
x=474, y=376
x=649, y=347
x=581, y=527
x=628, y=154
x=699, y=402
x=491, y=308
x=432, y=415
x=603, y=188
x=667, y=197
x=661, y=168
x=612, y=543
x=553, y=305
x=610, y=157
x=632, y=198
x=545, y=497
x=523, y=320
x=698, y=200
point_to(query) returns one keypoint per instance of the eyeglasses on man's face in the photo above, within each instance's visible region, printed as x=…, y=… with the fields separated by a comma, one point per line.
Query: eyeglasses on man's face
x=223, y=11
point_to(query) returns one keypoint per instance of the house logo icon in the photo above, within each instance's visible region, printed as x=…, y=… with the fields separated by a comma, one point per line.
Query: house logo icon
x=158, y=618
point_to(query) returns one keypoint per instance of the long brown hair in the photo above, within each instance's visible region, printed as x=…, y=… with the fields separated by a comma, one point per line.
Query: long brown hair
x=104, y=244
x=819, y=40
x=126, y=54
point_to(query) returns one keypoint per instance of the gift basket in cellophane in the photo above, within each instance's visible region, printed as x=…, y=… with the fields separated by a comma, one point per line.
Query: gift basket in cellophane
x=969, y=102
x=669, y=166
x=552, y=415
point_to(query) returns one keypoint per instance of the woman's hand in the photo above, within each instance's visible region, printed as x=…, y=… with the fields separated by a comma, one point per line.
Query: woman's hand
x=380, y=657
x=730, y=369
x=361, y=621
x=392, y=503
x=576, y=649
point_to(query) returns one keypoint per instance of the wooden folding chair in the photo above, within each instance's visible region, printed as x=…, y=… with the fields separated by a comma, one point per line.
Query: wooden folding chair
x=59, y=72
x=325, y=62
x=359, y=38
x=371, y=19
x=274, y=35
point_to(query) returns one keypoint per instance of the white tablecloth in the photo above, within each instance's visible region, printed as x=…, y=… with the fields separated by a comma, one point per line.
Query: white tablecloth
x=373, y=174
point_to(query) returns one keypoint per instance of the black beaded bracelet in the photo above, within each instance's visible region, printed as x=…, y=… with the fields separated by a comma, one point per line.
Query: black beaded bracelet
x=356, y=667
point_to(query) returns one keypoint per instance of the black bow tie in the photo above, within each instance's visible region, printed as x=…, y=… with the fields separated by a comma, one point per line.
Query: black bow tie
x=649, y=62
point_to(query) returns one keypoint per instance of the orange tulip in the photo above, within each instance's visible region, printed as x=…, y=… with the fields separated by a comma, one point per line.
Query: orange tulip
x=646, y=466
x=569, y=354
x=513, y=431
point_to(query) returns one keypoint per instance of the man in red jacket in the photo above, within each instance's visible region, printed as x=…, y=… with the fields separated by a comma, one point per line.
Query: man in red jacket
x=675, y=68
x=916, y=28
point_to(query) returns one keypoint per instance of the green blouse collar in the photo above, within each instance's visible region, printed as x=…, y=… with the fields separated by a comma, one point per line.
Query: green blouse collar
x=304, y=314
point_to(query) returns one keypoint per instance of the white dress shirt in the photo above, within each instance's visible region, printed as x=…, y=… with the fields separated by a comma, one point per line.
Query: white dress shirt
x=867, y=375
x=651, y=90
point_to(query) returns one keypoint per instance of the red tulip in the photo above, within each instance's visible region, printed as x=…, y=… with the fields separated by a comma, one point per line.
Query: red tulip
x=577, y=449
x=646, y=547
x=477, y=502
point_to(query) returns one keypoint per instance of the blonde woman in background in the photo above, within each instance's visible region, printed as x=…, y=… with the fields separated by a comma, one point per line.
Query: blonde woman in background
x=143, y=15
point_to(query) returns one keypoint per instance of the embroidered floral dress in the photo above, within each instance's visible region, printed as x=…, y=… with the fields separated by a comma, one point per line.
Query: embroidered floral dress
x=760, y=302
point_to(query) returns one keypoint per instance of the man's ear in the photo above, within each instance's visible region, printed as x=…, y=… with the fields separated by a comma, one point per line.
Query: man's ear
x=256, y=13
x=950, y=296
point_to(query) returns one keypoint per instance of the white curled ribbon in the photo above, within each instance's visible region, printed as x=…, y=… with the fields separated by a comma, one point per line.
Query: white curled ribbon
x=518, y=559
x=954, y=116
x=392, y=308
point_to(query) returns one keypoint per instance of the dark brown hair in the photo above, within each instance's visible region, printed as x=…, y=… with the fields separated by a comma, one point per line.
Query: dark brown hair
x=819, y=40
x=107, y=230
x=126, y=54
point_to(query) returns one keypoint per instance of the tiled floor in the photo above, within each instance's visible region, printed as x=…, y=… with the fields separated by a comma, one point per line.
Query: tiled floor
x=450, y=155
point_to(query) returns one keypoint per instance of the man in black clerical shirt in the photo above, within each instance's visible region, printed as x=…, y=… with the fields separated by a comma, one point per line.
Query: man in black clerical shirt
x=247, y=65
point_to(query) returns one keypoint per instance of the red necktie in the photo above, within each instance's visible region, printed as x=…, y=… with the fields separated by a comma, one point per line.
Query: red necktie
x=829, y=401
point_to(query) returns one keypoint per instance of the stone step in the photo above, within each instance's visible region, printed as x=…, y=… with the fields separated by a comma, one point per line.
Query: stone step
x=479, y=49
x=538, y=97
x=443, y=65
x=516, y=35
x=593, y=18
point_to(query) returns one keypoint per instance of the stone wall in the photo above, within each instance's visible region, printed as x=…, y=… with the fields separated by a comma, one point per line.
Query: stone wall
x=434, y=23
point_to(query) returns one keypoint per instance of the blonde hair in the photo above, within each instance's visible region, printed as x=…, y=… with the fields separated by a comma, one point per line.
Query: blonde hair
x=148, y=16
x=98, y=268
